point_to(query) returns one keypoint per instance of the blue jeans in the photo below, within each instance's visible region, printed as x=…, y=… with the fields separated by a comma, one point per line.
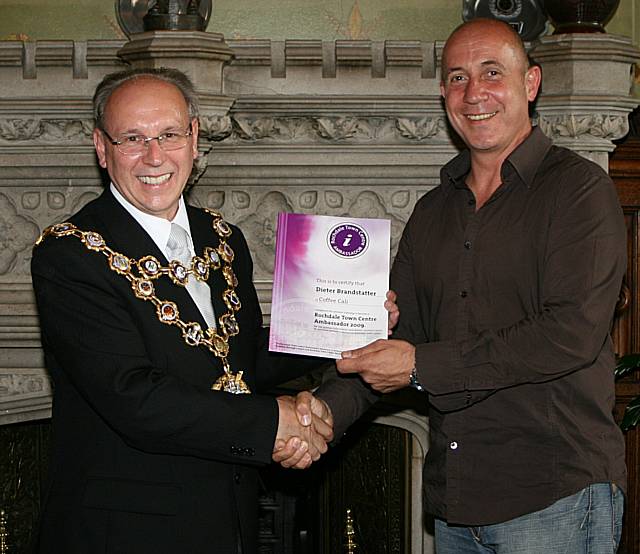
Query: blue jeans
x=588, y=522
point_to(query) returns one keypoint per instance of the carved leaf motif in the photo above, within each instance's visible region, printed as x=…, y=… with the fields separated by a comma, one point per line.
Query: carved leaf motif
x=54, y=130
x=614, y=127
x=255, y=129
x=368, y=128
x=595, y=125
x=73, y=129
x=418, y=129
x=289, y=128
x=337, y=128
x=57, y=130
x=87, y=127
x=407, y=127
x=20, y=129
x=215, y=128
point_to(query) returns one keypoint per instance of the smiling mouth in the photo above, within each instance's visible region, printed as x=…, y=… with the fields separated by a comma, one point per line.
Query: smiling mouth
x=481, y=116
x=157, y=180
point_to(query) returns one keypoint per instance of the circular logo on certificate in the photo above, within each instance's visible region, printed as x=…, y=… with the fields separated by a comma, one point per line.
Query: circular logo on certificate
x=348, y=240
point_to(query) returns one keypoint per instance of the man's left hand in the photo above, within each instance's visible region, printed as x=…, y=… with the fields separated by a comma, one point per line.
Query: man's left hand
x=385, y=364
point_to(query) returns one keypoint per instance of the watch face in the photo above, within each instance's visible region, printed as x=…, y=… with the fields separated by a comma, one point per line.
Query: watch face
x=527, y=17
x=131, y=12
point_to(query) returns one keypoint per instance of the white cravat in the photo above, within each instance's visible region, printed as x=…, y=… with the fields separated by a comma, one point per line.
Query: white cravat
x=178, y=249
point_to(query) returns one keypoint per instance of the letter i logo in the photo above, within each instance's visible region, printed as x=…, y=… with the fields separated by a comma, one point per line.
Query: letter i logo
x=348, y=240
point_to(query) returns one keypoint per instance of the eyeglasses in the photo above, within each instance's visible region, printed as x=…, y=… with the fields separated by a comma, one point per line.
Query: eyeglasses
x=132, y=145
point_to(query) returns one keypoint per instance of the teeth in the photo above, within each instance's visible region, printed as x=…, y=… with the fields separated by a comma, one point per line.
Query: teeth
x=149, y=180
x=481, y=116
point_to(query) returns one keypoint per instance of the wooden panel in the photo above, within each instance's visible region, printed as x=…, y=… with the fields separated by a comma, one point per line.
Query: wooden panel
x=625, y=172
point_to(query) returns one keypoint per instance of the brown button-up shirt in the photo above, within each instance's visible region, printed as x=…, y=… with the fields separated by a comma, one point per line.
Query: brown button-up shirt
x=510, y=307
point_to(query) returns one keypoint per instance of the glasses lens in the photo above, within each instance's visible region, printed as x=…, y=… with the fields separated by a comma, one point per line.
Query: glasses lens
x=138, y=144
x=172, y=141
x=131, y=144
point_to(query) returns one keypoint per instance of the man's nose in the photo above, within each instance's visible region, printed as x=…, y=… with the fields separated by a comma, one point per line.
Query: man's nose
x=153, y=153
x=475, y=91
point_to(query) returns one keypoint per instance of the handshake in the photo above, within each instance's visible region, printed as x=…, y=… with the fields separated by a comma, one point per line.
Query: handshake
x=305, y=427
x=305, y=423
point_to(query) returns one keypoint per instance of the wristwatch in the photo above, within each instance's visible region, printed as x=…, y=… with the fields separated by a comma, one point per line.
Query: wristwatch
x=413, y=381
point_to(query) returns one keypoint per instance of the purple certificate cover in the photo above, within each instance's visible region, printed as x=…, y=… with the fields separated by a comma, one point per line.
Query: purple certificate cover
x=330, y=281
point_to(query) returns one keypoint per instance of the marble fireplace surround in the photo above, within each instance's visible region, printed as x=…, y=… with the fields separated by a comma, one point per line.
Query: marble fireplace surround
x=344, y=127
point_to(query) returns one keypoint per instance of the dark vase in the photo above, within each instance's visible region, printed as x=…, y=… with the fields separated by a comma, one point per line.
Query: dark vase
x=136, y=16
x=580, y=16
x=175, y=15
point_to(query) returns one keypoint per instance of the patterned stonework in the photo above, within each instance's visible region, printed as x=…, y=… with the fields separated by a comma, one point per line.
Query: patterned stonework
x=591, y=126
x=49, y=131
x=334, y=129
x=17, y=235
x=21, y=384
x=260, y=228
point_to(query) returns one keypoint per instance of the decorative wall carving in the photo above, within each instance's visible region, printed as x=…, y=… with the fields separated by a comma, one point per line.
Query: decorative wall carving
x=17, y=233
x=15, y=384
x=369, y=204
x=337, y=129
x=594, y=125
x=216, y=127
x=260, y=228
x=50, y=131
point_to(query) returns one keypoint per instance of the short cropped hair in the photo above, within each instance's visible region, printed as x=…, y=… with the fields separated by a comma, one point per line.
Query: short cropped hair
x=111, y=82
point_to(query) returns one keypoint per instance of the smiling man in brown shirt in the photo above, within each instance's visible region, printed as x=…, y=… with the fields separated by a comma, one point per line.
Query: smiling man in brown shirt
x=507, y=276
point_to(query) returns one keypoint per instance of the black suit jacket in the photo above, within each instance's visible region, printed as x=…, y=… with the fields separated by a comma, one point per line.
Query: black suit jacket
x=145, y=457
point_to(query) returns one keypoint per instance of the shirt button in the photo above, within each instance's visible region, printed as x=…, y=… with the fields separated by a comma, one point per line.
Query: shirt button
x=467, y=244
x=453, y=445
x=463, y=293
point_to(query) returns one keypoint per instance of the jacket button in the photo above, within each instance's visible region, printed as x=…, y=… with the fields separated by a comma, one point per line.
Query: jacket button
x=236, y=478
x=463, y=294
x=467, y=244
x=453, y=445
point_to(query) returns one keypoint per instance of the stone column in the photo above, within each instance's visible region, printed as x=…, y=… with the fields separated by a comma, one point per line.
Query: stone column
x=586, y=91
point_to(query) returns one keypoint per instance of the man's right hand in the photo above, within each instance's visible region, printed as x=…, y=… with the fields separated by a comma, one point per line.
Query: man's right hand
x=314, y=418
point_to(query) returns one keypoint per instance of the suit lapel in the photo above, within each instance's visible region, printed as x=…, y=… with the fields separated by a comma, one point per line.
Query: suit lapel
x=126, y=235
x=203, y=235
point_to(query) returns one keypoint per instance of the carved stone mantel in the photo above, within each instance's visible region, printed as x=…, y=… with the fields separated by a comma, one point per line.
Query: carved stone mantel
x=338, y=127
x=585, y=99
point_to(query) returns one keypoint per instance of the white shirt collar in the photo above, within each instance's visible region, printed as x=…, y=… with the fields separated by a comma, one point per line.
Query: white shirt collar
x=157, y=228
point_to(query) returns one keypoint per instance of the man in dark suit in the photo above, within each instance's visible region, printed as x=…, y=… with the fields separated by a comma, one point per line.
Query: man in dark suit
x=146, y=457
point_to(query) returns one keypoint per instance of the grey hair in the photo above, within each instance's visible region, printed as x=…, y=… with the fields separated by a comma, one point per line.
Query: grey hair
x=111, y=82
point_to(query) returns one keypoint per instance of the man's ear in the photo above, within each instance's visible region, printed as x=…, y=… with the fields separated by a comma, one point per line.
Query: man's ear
x=100, y=146
x=194, y=129
x=532, y=80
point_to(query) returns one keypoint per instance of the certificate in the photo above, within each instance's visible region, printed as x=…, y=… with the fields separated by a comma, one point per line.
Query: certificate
x=330, y=282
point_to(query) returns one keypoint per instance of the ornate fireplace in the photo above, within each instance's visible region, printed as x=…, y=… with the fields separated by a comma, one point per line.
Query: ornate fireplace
x=344, y=127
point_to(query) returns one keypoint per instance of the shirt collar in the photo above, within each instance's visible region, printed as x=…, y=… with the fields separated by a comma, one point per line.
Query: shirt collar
x=524, y=161
x=157, y=228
